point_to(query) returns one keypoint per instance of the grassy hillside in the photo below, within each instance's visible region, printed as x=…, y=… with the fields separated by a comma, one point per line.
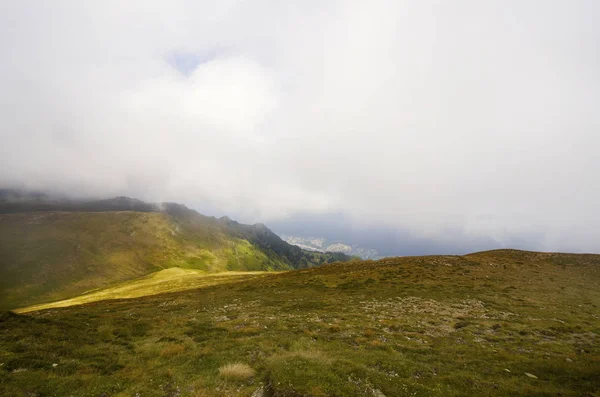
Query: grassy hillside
x=168, y=280
x=46, y=256
x=499, y=323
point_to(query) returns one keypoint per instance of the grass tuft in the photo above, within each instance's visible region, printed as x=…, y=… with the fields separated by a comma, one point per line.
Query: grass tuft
x=172, y=350
x=236, y=372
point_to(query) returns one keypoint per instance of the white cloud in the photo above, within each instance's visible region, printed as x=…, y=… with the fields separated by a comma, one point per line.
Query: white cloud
x=476, y=116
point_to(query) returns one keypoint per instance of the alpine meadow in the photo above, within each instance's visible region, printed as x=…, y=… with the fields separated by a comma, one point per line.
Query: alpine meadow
x=309, y=198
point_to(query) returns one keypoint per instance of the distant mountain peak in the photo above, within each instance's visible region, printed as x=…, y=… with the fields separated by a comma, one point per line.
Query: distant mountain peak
x=321, y=244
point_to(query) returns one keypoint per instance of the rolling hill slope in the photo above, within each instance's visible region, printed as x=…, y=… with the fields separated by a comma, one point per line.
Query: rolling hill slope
x=497, y=323
x=55, y=249
x=168, y=280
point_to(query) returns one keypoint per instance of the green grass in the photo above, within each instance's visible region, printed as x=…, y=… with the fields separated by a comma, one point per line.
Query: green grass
x=48, y=256
x=56, y=255
x=415, y=326
x=168, y=280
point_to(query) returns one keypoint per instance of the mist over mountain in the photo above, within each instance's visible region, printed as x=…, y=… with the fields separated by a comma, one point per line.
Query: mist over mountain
x=334, y=227
x=186, y=187
x=442, y=127
x=321, y=244
x=393, y=241
x=52, y=247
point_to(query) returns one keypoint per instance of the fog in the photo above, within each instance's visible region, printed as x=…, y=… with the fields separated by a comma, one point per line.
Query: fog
x=460, y=125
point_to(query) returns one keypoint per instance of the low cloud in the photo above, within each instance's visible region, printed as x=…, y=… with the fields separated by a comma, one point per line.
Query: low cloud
x=462, y=122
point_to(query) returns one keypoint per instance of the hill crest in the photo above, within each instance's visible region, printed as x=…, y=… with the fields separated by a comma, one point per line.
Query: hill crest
x=56, y=248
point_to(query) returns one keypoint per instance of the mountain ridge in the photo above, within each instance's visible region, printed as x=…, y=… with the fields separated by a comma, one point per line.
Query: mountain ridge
x=53, y=249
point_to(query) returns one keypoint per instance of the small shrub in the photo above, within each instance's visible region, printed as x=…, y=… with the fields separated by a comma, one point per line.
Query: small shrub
x=236, y=371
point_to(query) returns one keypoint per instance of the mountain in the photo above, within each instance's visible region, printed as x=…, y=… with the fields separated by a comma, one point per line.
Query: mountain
x=15, y=201
x=497, y=323
x=54, y=248
x=321, y=244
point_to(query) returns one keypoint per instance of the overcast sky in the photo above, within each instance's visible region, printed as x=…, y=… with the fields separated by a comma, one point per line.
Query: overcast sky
x=447, y=119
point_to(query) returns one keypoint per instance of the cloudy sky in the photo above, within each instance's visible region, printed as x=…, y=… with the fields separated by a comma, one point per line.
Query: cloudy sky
x=453, y=121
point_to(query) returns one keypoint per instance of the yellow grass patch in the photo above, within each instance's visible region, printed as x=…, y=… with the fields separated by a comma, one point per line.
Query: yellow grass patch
x=168, y=280
x=236, y=371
